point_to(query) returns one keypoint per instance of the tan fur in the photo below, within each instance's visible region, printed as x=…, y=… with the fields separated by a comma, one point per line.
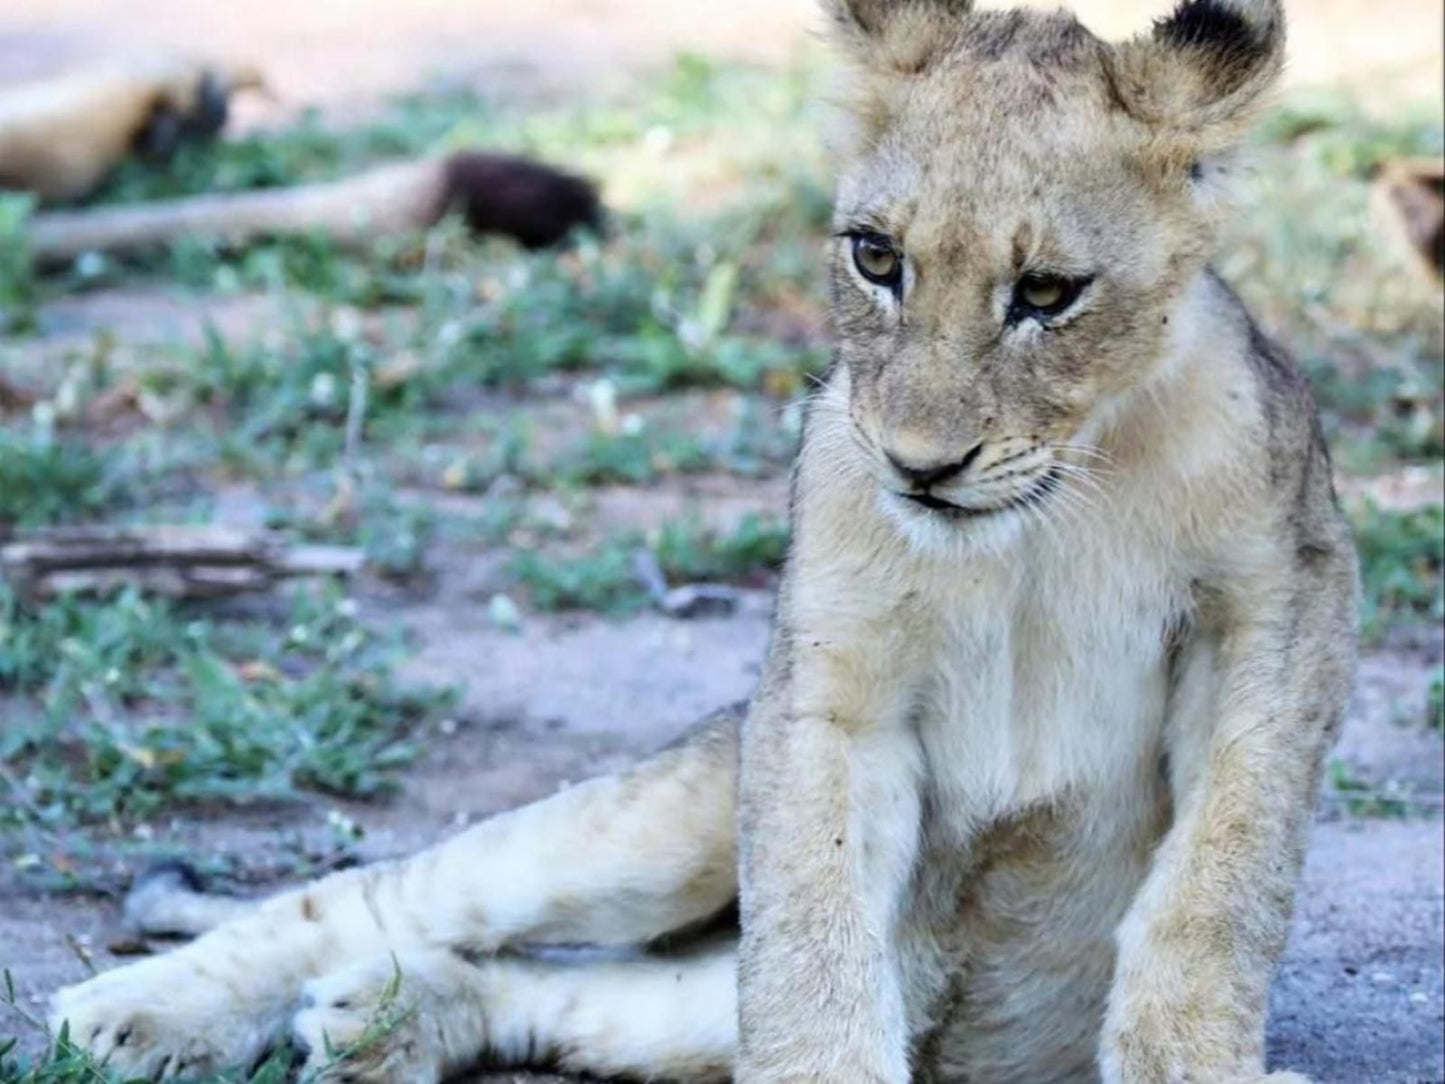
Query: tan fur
x=60, y=138
x=1024, y=792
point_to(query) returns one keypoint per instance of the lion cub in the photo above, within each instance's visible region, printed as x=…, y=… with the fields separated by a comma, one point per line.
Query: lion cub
x=1066, y=629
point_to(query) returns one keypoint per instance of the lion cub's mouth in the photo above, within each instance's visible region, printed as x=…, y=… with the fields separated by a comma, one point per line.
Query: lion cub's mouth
x=1031, y=495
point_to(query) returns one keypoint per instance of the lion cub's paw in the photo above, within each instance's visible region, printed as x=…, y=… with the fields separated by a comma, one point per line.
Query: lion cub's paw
x=371, y=1023
x=157, y=1020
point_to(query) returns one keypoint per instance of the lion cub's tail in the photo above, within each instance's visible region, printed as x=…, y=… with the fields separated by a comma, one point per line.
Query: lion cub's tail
x=170, y=900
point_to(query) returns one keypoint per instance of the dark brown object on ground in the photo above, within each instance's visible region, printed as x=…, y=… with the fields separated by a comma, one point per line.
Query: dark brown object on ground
x=533, y=203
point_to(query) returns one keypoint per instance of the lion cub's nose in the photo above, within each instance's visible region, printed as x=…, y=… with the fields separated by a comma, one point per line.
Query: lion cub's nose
x=922, y=476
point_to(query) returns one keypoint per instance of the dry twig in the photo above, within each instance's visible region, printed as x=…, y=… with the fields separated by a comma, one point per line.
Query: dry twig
x=174, y=561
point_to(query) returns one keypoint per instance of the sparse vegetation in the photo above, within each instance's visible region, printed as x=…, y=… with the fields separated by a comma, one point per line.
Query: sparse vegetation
x=1402, y=566
x=17, y=281
x=63, y=1062
x=414, y=333
x=608, y=579
x=603, y=458
x=605, y=580
x=687, y=551
x=48, y=478
x=135, y=705
x=1363, y=798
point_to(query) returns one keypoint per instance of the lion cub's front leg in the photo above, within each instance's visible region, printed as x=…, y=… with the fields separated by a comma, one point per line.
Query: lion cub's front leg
x=830, y=813
x=1255, y=710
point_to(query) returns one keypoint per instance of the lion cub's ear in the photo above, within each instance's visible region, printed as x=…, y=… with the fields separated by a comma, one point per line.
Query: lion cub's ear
x=895, y=36
x=1202, y=70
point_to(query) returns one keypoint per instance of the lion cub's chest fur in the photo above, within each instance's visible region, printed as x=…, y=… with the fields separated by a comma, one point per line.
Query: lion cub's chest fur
x=1049, y=679
x=1041, y=732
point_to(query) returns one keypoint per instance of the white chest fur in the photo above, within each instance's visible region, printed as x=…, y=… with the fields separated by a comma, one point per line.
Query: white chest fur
x=1050, y=676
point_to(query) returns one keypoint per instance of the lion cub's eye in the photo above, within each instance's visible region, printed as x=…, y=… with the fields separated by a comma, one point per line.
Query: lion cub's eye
x=1044, y=295
x=877, y=260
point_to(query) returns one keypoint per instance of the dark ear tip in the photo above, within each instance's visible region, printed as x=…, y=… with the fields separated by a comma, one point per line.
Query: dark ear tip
x=1217, y=26
x=1232, y=44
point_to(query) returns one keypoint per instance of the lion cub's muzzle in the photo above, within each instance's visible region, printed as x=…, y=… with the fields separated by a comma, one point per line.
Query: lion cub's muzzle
x=991, y=476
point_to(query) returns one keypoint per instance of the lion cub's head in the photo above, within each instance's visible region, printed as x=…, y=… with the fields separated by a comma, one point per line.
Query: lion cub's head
x=1020, y=210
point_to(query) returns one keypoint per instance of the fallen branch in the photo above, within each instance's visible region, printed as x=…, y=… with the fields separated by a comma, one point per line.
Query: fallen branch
x=532, y=203
x=174, y=561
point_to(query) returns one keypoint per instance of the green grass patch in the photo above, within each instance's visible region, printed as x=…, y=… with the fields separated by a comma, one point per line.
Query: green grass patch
x=307, y=150
x=656, y=322
x=48, y=478
x=1323, y=268
x=604, y=580
x=1362, y=798
x=139, y=705
x=393, y=534
x=1333, y=129
x=607, y=579
x=17, y=277
x=603, y=458
x=688, y=552
x=1402, y=567
x=63, y=1062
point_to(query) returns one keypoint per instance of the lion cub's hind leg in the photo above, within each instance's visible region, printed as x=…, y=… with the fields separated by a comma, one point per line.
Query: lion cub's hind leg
x=617, y=860
x=423, y=1016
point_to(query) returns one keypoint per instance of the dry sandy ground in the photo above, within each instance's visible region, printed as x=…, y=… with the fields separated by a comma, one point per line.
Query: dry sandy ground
x=339, y=51
x=1360, y=999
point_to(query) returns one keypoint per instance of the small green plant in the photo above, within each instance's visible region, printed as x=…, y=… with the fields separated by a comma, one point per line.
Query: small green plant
x=392, y=1011
x=63, y=1062
x=604, y=580
x=602, y=458
x=1361, y=798
x=607, y=579
x=47, y=478
x=393, y=534
x=686, y=551
x=1402, y=566
x=17, y=276
x=286, y=399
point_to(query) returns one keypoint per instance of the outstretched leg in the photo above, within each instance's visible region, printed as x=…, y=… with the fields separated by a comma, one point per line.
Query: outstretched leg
x=616, y=860
x=421, y=1017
